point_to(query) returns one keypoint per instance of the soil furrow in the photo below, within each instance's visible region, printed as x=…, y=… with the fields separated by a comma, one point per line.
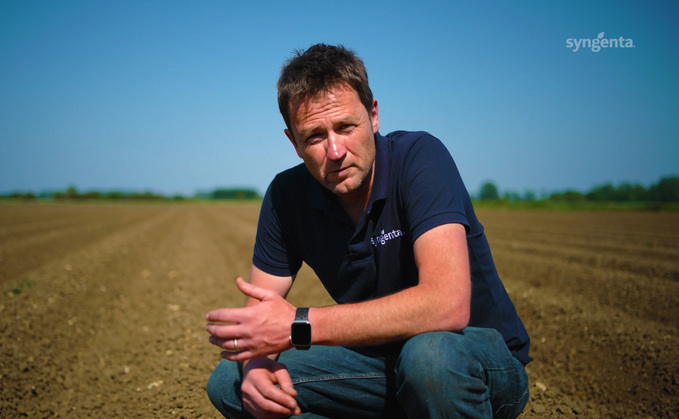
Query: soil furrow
x=106, y=316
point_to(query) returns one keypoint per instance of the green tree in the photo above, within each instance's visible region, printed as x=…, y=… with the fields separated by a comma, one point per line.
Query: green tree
x=511, y=196
x=568, y=196
x=235, y=194
x=530, y=196
x=72, y=193
x=601, y=193
x=667, y=189
x=489, y=192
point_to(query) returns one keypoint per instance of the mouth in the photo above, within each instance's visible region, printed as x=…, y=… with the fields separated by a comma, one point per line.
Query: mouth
x=338, y=173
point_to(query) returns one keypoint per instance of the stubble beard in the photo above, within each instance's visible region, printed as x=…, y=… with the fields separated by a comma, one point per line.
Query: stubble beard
x=358, y=186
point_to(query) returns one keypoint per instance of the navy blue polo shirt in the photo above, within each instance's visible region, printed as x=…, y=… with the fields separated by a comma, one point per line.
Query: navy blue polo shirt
x=416, y=187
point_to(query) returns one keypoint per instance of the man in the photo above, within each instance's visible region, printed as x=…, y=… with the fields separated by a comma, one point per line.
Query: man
x=423, y=326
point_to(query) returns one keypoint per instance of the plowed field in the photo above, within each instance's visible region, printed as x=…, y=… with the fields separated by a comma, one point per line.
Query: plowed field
x=102, y=311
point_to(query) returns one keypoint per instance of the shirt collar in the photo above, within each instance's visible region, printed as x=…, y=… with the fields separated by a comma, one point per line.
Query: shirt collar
x=382, y=167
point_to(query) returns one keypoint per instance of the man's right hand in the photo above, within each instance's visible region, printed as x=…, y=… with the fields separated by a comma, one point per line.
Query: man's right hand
x=267, y=390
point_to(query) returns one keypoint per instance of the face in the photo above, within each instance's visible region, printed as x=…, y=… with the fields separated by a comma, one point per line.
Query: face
x=334, y=134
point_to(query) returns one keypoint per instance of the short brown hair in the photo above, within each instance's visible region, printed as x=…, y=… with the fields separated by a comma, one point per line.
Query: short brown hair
x=319, y=69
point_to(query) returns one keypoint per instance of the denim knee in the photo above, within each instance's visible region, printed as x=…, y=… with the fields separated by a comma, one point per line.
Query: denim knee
x=469, y=374
x=431, y=361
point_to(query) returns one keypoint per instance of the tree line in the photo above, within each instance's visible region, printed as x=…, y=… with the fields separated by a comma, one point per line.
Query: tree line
x=666, y=190
x=72, y=194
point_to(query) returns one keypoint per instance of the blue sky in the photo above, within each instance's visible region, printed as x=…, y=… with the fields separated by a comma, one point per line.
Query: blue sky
x=179, y=96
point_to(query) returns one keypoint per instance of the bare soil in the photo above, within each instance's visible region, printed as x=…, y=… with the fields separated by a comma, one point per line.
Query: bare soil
x=102, y=311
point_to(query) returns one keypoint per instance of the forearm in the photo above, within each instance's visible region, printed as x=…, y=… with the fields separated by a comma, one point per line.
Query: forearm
x=395, y=317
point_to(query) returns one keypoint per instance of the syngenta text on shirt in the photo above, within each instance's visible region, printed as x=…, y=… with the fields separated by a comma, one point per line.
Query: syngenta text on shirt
x=383, y=237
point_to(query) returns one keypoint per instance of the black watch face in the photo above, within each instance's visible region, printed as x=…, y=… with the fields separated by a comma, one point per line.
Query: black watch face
x=301, y=333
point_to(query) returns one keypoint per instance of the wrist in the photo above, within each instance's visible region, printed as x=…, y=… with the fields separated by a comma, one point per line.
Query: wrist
x=248, y=364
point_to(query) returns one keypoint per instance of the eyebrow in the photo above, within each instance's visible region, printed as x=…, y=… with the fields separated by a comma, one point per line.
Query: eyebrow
x=303, y=133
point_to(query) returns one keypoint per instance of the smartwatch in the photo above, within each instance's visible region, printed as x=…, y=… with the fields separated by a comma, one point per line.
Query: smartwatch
x=300, y=330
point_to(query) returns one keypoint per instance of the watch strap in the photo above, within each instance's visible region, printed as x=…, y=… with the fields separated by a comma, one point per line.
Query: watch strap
x=302, y=313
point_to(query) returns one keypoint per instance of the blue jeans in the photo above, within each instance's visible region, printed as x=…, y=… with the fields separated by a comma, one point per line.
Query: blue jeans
x=435, y=375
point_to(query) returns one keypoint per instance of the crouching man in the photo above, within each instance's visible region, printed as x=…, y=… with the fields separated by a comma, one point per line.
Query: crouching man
x=422, y=328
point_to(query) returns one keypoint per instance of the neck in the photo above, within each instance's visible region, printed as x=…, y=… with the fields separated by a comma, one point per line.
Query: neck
x=353, y=211
x=354, y=203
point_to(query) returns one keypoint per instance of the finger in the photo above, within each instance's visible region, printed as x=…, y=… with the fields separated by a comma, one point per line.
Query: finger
x=263, y=408
x=243, y=354
x=279, y=397
x=223, y=315
x=225, y=331
x=227, y=344
x=285, y=382
x=253, y=291
x=240, y=356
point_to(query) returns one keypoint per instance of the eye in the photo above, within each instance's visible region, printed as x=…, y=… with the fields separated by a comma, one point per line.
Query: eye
x=314, y=138
x=346, y=128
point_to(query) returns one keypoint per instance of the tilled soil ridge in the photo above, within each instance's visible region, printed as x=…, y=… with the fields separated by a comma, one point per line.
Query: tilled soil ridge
x=102, y=311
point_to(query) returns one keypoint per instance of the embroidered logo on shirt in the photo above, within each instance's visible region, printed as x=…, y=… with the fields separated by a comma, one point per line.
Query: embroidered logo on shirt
x=385, y=237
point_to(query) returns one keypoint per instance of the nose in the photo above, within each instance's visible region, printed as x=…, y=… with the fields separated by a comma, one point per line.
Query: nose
x=336, y=149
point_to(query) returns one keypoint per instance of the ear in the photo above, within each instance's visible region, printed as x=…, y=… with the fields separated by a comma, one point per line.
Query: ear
x=375, y=116
x=288, y=134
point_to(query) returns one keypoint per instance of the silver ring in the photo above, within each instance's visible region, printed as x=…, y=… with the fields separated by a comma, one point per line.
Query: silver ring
x=235, y=345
